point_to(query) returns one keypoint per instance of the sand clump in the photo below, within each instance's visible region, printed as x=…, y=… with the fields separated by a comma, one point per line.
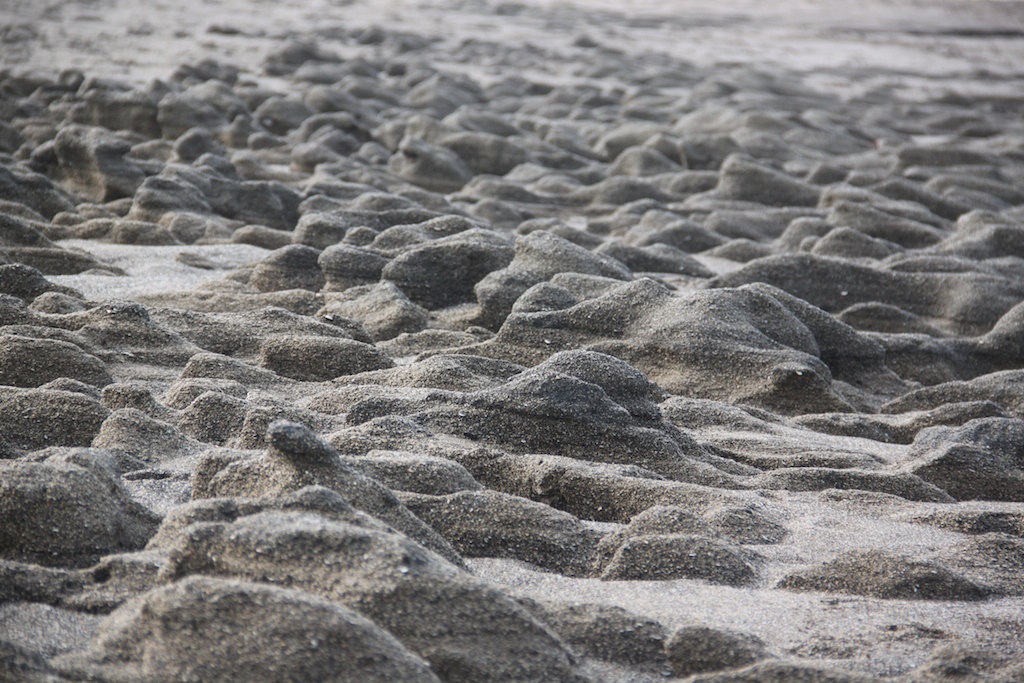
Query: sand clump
x=506, y=342
x=321, y=637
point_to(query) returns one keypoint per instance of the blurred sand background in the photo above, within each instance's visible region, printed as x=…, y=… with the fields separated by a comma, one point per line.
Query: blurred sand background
x=137, y=40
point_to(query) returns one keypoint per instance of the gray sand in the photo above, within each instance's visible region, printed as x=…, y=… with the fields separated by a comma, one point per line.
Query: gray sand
x=796, y=227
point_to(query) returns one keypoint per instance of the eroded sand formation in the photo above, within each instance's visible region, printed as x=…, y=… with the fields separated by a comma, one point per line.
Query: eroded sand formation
x=541, y=355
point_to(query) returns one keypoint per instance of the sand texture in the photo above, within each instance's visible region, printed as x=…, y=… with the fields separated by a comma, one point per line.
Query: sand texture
x=469, y=341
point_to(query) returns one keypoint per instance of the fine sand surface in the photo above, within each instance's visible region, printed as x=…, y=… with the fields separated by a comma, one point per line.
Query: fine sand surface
x=511, y=341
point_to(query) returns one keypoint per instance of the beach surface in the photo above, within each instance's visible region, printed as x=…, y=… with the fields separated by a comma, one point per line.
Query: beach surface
x=455, y=341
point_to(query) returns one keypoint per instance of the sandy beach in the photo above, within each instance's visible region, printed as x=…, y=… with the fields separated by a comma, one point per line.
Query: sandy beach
x=465, y=340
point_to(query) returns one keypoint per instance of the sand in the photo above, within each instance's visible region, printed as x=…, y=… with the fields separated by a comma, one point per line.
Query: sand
x=512, y=341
